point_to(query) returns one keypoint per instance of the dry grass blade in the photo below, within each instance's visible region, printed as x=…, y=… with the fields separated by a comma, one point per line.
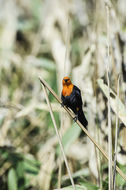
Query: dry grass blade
x=116, y=138
x=78, y=187
x=109, y=108
x=81, y=126
x=67, y=46
x=58, y=135
x=59, y=173
x=113, y=101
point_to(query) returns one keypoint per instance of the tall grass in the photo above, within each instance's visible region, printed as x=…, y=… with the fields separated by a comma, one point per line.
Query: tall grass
x=36, y=40
x=109, y=108
x=116, y=136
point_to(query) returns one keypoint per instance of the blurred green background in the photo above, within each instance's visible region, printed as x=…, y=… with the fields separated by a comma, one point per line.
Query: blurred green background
x=33, y=43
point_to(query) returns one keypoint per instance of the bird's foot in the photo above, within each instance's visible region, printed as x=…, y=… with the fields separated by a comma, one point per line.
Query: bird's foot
x=75, y=118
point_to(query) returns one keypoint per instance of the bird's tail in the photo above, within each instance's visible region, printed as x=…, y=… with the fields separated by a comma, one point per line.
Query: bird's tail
x=82, y=118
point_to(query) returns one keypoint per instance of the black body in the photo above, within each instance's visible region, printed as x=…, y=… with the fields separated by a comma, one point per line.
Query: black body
x=74, y=102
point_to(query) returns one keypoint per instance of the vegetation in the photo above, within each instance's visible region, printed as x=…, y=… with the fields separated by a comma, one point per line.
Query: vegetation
x=36, y=40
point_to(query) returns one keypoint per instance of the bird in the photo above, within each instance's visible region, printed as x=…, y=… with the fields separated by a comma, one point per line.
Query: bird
x=71, y=98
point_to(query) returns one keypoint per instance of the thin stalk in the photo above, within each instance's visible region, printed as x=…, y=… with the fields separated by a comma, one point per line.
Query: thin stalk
x=59, y=138
x=109, y=108
x=43, y=82
x=59, y=172
x=67, y=46
x=60, y=156
x=97, y=26
x=99, y=161
x=116, y=137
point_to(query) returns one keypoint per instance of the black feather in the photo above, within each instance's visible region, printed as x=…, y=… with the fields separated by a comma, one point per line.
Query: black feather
x=74, y=102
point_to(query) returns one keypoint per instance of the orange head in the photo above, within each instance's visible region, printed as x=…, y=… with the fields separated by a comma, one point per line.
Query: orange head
x=66, y=81
x=67, y=86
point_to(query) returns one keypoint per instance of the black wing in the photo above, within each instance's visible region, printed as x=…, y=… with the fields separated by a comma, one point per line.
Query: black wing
x=78, y=95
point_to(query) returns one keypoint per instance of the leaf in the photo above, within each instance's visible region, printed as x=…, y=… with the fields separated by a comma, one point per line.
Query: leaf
x=69, y=137
x=34, y=162
x=89, y=186
x=113, y=101
x=20, y=169
x=21, y=176
x=12, y=180
x=83, y=172
x=47, y=64
x=78, y=187
x=42, y=62
x=119, y=180
x=31, y=167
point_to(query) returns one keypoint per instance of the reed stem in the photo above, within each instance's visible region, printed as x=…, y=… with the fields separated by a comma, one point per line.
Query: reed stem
x=116, y=138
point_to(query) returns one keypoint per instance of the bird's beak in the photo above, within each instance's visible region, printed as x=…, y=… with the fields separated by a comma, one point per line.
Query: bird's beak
x=66, y=80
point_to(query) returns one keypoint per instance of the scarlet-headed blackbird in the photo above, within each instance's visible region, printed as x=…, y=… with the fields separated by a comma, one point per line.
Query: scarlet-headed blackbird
x=71, y=97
